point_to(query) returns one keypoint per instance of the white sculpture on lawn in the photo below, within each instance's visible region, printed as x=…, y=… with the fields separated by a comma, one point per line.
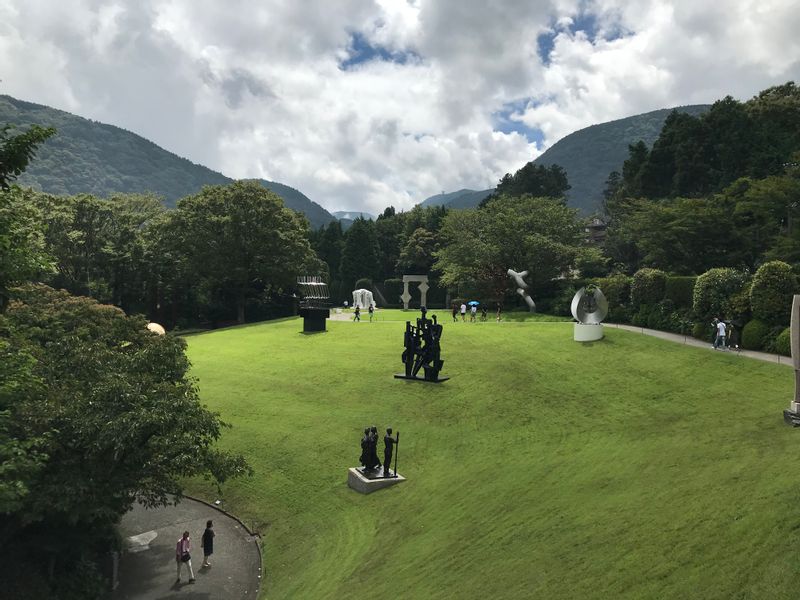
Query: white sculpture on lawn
x=423, y=289
x=589, y=309
x=522, y=288
x=363, y=299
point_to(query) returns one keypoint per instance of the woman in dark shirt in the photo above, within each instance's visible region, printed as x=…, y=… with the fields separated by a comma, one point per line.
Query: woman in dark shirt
x=208, y=543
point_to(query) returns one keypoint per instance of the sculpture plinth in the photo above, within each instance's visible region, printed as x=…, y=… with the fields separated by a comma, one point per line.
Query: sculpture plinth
x=370, y=482
x=587, y=332
x=792, y=416
x=314, y=319
x=314, y=303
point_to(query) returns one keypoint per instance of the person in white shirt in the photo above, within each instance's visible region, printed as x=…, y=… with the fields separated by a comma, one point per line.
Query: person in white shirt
x=473, y=311
x=720, y=339
x=463, y=312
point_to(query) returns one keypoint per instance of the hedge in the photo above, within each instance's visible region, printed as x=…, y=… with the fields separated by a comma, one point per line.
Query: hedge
x=680, y=290
x=713, y=291
x=616, y=289
x=647, y=287
x=754, y=335
x=783, y=343
x=771, y=292
x=393, y=289
x=363, y=284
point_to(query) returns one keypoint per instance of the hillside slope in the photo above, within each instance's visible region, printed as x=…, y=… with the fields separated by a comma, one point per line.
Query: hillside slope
x=95, y=158
x=588, y=156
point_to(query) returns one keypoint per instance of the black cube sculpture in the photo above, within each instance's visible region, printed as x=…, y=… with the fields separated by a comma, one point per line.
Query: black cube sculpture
x=422, y=350
x=314, y=305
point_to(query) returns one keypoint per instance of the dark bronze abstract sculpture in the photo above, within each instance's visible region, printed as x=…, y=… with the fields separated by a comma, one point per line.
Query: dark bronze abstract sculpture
x=388, y=447
x=422, y=350
x=315, y=303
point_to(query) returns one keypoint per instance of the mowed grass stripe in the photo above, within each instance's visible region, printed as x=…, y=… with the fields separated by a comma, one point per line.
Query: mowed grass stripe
x=544, y=468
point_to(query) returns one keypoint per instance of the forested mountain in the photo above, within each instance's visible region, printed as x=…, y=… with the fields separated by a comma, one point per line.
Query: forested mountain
x=464, y=198
x=588, y=156
x=90, y=157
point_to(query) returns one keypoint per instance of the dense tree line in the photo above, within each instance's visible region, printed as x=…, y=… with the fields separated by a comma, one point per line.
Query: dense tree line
x=718, y=190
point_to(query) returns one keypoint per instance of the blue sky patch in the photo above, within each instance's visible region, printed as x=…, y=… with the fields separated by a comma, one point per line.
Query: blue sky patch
x=504, y=123
x=361, y=51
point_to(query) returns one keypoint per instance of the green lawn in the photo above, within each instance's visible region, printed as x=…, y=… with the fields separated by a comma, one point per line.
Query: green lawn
x=544, y=468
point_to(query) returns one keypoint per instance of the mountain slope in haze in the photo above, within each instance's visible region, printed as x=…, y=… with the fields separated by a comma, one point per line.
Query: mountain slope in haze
x=588, y=156
x=464, y=198
x=94, y=158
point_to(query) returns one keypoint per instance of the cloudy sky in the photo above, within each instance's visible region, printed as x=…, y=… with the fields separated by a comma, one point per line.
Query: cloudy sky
x=361, y=104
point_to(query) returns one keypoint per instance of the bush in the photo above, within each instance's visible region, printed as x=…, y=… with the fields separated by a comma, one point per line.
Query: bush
x=619, y=314
x=754, y=335
x=363, y=284
x=679, y=290
x=783, y=343
x=703, y=331
x=771, y=293
x=393, y=289
x=713, y=292
x=616, y=289
x=647, y=287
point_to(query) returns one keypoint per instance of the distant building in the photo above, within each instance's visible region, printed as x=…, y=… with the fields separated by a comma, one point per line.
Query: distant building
x=595, y=231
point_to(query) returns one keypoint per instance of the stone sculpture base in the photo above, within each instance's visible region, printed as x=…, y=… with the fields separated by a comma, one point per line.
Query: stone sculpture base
x=314, y=319
x=792, y=416
x=372, y=480
x=422, y=379
x=588, y=333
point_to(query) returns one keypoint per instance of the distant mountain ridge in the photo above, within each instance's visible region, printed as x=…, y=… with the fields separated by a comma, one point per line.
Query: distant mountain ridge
x=588, y=156
x=95, y=158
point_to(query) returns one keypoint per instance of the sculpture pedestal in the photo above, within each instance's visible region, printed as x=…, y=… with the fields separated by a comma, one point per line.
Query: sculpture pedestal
x=588, y=333
x=314, y=319
x=403, y=376
x=372, y=481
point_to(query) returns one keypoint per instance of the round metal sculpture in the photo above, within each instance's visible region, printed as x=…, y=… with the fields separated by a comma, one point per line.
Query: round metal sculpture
x=589, y=309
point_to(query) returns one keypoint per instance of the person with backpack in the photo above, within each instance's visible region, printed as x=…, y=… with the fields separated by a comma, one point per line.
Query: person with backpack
x=183, y=556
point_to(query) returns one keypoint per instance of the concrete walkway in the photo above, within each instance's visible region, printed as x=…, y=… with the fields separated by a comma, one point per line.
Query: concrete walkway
x=690, y=341
x=147, y=568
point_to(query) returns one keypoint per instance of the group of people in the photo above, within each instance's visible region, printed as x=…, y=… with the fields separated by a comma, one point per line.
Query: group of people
x=722, y=332
x=473, y=312
x=369, y=450
x=183, y=551
x=357, y=313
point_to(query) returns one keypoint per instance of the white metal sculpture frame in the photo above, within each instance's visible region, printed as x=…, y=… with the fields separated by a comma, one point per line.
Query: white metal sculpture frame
x=589, y=310
x=522, y=288
x=363, y=299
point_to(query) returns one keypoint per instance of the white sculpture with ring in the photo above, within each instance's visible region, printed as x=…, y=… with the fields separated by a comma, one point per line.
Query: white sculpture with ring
x=522, y=288
x=589, y=307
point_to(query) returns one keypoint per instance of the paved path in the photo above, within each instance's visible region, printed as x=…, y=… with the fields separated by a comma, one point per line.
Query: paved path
x=690, y=341
x=147, y=566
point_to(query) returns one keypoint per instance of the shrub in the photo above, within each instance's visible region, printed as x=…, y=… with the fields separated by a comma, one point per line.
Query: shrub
x=713, y=291
x=754, y=335
x=619, y=314
x=647, y=287
x=771, y=292
x=703, y=331
x=363, y=284
x=679, y=290
x=393, y=289
x=616, y=289
x=783, y=343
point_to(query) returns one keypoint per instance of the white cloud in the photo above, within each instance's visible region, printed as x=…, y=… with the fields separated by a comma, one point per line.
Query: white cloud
x=254, y=88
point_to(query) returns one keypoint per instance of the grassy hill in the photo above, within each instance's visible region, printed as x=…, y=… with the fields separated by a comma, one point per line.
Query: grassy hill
x=90, y=157
x=629, y=477
x=588, y=156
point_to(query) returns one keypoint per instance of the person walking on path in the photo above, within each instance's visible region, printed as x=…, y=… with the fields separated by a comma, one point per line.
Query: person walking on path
x=455, y=313
x=473, y=312
x=208, y=542
x=357, y=316
x=183, y=556
x=483, y=313
x=463, y=312
x=720, y=339
x=499, y=311
x=371, y=310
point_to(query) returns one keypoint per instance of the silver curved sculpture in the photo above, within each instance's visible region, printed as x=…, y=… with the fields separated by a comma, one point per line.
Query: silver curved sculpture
x=589, y=309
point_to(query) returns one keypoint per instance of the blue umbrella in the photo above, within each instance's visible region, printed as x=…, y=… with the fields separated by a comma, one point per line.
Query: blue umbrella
x=473, y=303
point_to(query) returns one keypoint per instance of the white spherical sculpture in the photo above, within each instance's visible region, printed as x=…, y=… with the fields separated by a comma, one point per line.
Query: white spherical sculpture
x=589, y=310
x=156, y=328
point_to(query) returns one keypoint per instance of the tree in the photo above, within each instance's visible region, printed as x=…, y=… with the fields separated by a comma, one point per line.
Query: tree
x=418, y=254
x=361, y=254
x=105, y=409
x=540, y=235
x=16, y=151
x=240, y=238
x=535, y=180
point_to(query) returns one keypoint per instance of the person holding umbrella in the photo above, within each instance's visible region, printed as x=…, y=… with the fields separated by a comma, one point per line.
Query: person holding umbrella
x=473, y=311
